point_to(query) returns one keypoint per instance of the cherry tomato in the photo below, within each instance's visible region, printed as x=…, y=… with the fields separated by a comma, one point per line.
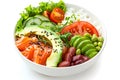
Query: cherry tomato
x=46, y=13
x=80, y=27
x=57, y=15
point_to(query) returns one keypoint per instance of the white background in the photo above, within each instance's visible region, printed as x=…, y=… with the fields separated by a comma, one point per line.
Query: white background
x=12, y=66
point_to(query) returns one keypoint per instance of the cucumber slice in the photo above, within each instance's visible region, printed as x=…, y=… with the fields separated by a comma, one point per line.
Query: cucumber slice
x=47, y=24
x=42, y=18
x=32, y=21
x=83, y=43
x=87, y=47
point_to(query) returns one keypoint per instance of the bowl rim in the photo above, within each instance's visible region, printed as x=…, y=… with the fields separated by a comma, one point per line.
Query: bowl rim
x=104, y=34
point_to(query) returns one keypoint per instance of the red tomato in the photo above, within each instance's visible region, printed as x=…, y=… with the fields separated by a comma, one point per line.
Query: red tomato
x=57, y=15
x=46, y=13
x=80, y=27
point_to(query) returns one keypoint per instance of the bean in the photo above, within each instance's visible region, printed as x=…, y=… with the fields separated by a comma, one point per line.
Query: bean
x=100, y=44
x=78, y=51
x=100, y=39
x=75, y=58
x=64, y=51
x=87, y=35
x=64, y=64
x=68, y=57
x=78, y=62
x=98, y=48
x=70, y=54
x=72, y=64
x=95, y=43
x=85, y=58
x=94, y=38
x=72, y=51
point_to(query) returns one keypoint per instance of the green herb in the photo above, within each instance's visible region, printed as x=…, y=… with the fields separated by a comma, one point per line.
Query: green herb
x=65, y=38
x=70, y=19
x=43, y=39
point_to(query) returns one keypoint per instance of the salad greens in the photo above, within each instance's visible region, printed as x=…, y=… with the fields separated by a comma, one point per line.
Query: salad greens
x=65, y=38
x=31, y=11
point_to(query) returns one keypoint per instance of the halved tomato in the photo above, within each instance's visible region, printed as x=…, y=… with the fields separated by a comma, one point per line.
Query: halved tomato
x=80, y=27
x=57, y=15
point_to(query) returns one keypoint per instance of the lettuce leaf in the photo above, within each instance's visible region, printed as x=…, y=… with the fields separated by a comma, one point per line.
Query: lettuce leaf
x=31, y=11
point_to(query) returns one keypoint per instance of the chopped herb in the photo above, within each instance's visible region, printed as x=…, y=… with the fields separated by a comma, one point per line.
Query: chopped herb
x=65, y=38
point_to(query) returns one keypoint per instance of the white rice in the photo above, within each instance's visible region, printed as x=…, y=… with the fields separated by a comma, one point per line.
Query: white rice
x=82, y=15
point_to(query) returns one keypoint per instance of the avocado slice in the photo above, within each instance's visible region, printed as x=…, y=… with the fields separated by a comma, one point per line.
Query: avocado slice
x=87, y=47
x=79, y=40
x=83, y=43
x=73, y=39
x=57, y=43
x=90, y=51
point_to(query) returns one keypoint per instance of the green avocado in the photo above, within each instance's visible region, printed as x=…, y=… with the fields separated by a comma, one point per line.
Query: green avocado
x=73, y=39
x=55, y=40
x=87, y=47
x=83, y=43
x=90, y=51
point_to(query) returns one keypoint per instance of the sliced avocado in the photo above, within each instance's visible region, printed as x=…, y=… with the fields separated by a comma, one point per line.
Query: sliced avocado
x=87, y=47
x=90, y=51
x=79, y=40
x=32, y=21
x=57, y=44
x=42, y=18
x=92, y=54
x=83, y=43
x=73, y=39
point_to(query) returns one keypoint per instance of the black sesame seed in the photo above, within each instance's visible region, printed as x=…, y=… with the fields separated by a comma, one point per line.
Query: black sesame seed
x=56, y=38
x=55, y=50
x=45, y=31
x=51, y=33
x=41, y=31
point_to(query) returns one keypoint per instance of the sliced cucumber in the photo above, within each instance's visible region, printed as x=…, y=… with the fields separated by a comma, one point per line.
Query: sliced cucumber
x=42, y=18
x=47, y=24
x=32, y=21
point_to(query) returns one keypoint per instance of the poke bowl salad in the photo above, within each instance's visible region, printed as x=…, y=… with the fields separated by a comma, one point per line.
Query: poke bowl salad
x=56, y=34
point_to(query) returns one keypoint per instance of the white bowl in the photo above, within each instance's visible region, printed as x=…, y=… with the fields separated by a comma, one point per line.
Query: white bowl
x=64, y=71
